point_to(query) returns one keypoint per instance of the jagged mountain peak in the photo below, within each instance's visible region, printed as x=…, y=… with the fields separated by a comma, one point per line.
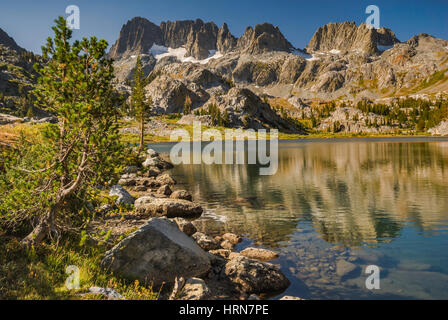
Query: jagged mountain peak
x=425, y=38
x=199, y=38
x=347, y=36
x=9, y=42
x=137, y=36
x=263, y=37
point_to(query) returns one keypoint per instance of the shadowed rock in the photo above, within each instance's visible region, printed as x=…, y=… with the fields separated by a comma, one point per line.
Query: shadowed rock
x=158, y=252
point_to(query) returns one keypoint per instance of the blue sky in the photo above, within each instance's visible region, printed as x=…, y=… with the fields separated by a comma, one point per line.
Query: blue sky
x=29, y=21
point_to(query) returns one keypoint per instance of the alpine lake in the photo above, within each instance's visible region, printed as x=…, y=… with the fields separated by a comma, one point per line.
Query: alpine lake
x=366, y=201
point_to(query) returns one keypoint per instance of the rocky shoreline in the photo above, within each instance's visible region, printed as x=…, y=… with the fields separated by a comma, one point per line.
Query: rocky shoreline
x=166, y=250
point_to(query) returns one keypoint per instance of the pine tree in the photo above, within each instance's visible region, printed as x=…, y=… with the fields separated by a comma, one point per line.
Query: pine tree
x=187, y=105
x=51, y=182
x=140, y=104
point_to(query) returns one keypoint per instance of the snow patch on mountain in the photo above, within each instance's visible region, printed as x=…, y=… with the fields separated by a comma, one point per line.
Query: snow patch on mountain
x=160, y=52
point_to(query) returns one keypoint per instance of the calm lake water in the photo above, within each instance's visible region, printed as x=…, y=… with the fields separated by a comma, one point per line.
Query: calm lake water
x=376, y=201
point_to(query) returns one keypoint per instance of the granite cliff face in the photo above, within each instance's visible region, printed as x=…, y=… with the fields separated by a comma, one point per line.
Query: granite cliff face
x=136, y=36
x=17, y=76
x=263, y=38
x=197, y=37
x=348, y=36
x=225, y=41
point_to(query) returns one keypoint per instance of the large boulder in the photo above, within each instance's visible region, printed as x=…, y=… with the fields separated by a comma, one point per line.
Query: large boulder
x=158, y=252
x=170, y=208
x=123, y=196
x=253, y=276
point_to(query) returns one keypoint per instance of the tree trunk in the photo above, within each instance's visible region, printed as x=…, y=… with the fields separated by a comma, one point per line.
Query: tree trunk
x=42, y=229
x=142, y=133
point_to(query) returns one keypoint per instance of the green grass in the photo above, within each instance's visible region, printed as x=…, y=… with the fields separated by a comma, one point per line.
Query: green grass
x=39, y=273
x=433, y=79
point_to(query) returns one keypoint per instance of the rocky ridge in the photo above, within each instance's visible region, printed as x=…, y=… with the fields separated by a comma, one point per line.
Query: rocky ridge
x=138, y=35
x=341, y=61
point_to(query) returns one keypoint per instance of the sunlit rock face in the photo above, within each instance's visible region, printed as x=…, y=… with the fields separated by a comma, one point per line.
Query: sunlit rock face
x=137, y=36
x=342, y=60
x=348, y=36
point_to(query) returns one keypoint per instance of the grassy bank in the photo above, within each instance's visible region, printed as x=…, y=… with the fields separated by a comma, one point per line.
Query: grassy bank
x=39, y=273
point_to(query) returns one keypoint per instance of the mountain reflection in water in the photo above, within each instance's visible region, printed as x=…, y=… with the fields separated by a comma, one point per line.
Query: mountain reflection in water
x=388, y=195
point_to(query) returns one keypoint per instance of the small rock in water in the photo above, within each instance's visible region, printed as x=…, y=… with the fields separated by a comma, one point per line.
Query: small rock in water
x=195, y=289
x=345, y=268
x=254, y=276
x=253, y=297
x=226, y=244
x=181, y=194
x=205, y=242
x=233, y=238
x=166, y=179
x=259, y=254
x=186, y=226
x=123, y=196
x=152, y=172
x=290, y=298
x=224, y=253
x=164, y=190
